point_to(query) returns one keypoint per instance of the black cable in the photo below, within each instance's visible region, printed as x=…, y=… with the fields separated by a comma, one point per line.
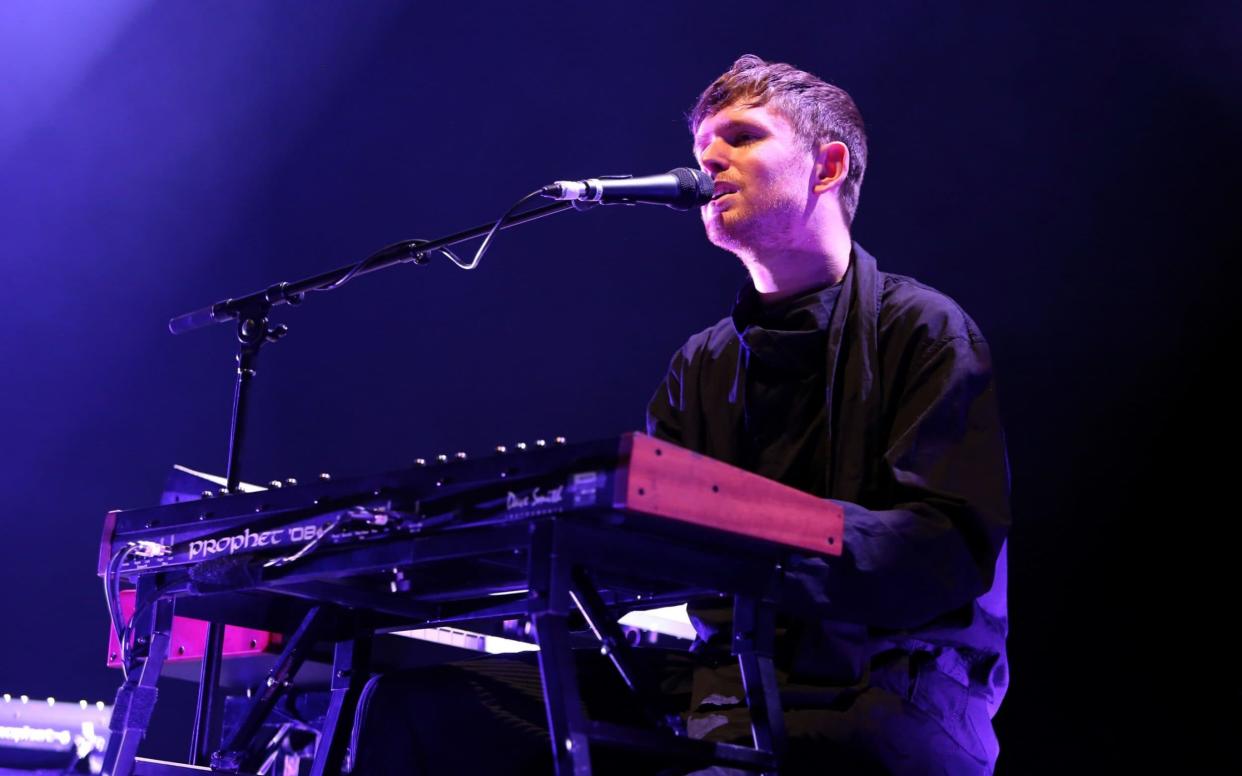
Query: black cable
x=306, y=548
x=112, y=597
x=385, y=251
x=496, y=227
x=413, y=244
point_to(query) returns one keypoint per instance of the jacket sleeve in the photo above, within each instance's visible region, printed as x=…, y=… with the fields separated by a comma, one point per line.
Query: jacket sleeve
x=926, y=544
x=665, y=410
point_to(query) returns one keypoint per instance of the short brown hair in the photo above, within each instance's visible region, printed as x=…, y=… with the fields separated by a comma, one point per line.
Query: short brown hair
x=819, y=111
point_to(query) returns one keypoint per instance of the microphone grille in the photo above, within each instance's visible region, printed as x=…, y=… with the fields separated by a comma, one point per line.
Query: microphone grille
x=694, y=188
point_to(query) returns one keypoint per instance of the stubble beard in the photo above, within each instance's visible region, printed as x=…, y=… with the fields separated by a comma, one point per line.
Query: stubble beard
x=747, y=232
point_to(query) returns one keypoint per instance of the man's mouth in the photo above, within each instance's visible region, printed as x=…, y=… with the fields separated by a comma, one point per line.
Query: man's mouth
x=722, y=189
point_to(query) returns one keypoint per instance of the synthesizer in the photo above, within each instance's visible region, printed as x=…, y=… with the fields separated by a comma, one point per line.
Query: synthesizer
x=633, y=478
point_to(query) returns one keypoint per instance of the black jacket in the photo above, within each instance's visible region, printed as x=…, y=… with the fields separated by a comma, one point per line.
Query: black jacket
x=915, y=455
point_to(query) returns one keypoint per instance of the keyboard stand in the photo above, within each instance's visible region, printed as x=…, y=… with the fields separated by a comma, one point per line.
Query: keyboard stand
x=563, y=558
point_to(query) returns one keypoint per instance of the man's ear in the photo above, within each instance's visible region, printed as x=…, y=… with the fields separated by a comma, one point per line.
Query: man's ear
x=832, y=164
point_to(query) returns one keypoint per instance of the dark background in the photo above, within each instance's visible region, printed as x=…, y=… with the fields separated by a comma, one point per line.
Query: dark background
x=1062, y=171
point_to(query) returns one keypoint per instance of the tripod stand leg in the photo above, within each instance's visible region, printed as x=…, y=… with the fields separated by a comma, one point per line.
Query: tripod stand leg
x=135, y=700
x=240, y=751
x=549, y=611
x=753, y=643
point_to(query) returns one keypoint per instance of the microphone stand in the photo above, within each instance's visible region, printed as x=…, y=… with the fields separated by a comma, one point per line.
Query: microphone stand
x=253, y=332
x=406, y=251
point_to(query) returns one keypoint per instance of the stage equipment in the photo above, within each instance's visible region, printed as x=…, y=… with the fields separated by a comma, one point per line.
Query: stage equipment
x=46, y=735
x=541, y=536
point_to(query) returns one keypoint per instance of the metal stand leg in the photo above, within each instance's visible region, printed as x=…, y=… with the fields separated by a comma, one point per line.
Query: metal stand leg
x=549, y=610
x=350, y=667
x=208, y=684
x=240, y=752
x=614, y=645
x=135, y=700
x=753, y=642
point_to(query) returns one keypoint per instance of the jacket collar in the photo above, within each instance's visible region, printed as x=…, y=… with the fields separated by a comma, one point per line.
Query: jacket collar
x=854, y=381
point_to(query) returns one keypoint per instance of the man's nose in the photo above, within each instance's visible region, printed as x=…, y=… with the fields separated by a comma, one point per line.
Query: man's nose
x=714, y=158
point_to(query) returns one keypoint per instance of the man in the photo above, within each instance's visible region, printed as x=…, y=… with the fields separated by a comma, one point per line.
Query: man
x=866, y=388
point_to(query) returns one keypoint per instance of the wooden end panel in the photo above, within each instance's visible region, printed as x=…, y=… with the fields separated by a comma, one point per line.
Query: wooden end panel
x=665, y=480
x=105, y=542
x=189, y=638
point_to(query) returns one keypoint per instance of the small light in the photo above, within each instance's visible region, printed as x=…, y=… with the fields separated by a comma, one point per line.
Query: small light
x=99, y=705
x=51, y=701
x=82, y=704
x=8, y=698
x=25, y=699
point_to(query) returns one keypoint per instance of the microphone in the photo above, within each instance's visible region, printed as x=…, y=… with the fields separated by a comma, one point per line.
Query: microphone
x=680, y=189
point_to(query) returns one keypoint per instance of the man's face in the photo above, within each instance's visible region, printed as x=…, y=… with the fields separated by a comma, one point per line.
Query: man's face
x=763, y=174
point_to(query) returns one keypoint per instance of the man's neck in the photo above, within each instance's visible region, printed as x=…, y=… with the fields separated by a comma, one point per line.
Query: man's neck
x=785, y=274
